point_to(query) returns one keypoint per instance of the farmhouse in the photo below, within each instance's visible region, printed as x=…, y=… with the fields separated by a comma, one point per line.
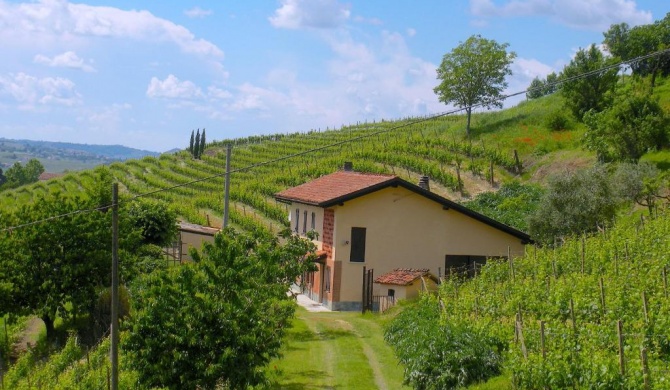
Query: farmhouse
x=189, y=236
x=382, y=222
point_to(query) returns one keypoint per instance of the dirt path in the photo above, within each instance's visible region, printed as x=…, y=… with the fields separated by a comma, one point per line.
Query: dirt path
x=28, y=337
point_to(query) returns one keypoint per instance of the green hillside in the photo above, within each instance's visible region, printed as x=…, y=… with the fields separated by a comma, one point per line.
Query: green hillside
x=409, y=148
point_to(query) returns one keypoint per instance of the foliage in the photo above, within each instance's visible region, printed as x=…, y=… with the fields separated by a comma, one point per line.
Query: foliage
x=473, y=73
x=558, y=120
x=588, y=93
x=18, y=175
x=220, y=319
x=542, y=87
x=635, y=124
x=562, y=287
x=439, y=355
x=627, y=43
x=511, y=204
x=641, y=183
x=574, y=203
x=156, y=221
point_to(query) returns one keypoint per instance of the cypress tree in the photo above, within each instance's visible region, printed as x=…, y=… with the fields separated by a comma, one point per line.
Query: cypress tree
x=202, y=143
x=196, y=147
x=190, y=146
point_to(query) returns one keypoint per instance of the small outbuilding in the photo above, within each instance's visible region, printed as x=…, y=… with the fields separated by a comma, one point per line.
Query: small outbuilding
x=406, y=283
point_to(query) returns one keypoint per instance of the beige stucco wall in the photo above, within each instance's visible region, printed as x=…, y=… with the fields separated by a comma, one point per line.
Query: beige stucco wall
x=192, y=240
x=319, y=220
x=407, y=230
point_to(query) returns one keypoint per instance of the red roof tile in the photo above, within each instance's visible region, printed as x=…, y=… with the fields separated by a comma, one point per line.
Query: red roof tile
x=403, y=276
x=48, y=176
x=333, y=186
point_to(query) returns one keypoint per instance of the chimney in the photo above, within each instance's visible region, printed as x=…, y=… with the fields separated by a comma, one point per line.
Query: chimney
x=424, y=183
x=348, y=166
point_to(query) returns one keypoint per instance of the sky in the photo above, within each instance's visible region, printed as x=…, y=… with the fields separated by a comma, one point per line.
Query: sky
x=145, y=74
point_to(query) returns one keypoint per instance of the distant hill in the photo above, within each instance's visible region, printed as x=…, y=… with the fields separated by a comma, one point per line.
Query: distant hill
x=65, y=156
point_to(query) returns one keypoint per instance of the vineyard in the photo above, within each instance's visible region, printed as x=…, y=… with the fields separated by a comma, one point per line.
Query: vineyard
x=592, y=313
x=264, y=165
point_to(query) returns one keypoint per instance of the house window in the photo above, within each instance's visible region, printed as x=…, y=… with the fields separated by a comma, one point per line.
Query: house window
x=304, y=223
x=297, y=219
x=313, y=220
x=326, y=276
x=391, y=292
x=357, y=245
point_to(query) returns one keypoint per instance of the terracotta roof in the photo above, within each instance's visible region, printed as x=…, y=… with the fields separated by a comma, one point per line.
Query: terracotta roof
x=403, y=276
x=48, y=176
x=342, y=186
x=331, y=187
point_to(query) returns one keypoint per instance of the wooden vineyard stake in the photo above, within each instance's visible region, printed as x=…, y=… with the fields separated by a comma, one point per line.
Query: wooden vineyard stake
x=518, y=163
x=645, y=368
x=602, y=296
x=622, y=361
x=583, y=253
x=665, y=282
x=644, y=308
x=572, y=317
x=519, y=330
x=542, y=344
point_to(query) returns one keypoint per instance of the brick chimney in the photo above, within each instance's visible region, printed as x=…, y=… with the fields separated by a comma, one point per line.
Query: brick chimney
x=348, y=166
x=424, y=183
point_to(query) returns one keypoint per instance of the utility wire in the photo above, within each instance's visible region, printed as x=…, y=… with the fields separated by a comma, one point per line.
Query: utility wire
x=348, y=140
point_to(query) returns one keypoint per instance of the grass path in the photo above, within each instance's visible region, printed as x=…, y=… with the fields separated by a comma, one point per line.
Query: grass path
x=336, y=350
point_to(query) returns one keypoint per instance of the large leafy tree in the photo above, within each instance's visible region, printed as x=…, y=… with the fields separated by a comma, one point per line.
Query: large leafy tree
x=627, y=43
x=588, y=93
x=18, y=175
x=474, y=73
x=574, y=203
x=218, y=320
x=635, y=124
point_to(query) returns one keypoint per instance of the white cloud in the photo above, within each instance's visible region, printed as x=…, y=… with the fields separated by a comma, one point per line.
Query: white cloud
x=197, y=12
x=218, y=93
x=29, y=91
x=172, y=88
x=411, y=32
x=593, y=14
x=69, y=59
x=295, y=14
x=59, y=20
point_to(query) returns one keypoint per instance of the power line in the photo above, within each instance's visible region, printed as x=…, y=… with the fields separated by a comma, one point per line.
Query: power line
x=357, y=138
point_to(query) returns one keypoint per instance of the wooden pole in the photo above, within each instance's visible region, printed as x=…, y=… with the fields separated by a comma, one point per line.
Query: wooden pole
x=644, y=308
x=583, y=252
x=602, y=296
x=542, y=344
x=572, y=317
x=622, y=360
x=518, y=163
x=114, y=349
x=524, y=351
x=226, y=195
x=645, y=368
x=665, y=285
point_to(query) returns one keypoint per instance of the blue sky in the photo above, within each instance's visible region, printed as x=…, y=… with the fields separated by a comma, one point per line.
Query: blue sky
x=145, y=73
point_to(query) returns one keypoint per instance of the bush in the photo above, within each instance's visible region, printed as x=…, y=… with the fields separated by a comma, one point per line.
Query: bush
x=438, y=354
x=558, y=120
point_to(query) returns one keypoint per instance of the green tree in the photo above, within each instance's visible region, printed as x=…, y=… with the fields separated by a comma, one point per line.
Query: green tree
x=635, y=124
x=3, y=179
x=202, y=144
x=16, y=175
x=592, y=92
x=155, y=220
x=33, y=170
x=626, y=43
x=196, y=146
x=192, y=143
x=542, y=87
x=641, y=183
x=574, y=203
x=474, y=73
x=218, y=320
x=511, y=204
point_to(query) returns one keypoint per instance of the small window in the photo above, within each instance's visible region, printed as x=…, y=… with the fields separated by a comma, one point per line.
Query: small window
x=304, y=223
x=357, y=254
x=297, y=219
x=391, y=292
x=326, y=282
x=313, y=220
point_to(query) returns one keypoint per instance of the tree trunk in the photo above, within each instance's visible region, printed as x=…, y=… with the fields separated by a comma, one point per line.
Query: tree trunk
x=467, y=127
x=49, y=324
